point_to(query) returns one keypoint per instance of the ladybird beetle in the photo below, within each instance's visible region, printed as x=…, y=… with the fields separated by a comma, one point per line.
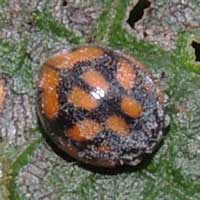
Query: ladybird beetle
x=100, y=106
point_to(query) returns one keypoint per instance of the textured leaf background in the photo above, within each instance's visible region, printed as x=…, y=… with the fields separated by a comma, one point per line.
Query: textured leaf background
x=162, y=38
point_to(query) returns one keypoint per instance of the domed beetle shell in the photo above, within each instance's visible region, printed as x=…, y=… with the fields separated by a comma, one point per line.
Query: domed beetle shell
x=100, y=106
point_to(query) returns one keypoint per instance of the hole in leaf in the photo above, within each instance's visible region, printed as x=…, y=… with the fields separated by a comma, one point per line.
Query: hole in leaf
x=137, y=12
x=196, y=47
x=64, y=3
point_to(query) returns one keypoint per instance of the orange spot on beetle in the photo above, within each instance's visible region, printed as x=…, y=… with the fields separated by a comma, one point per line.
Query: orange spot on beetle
x=49, y=82
x=84, y=130
x=73, y=151
x=69, y=148
x=2, y=93
x=126, y=75
x=137, y=64
x=66, y=60
x=80, y=98
x=118, y=125
x=95, y=79
x=104, y=148
x=131, y=107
